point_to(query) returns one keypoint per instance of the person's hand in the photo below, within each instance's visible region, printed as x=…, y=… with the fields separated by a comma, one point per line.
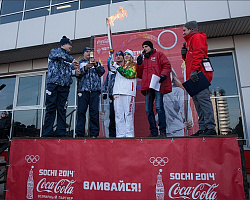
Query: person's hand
x=76, y=64
x=189, y=125
x=162, y=78
x=104, y=96
x=95, y=64
x=194, y=76
x=88, y=66
x=78, y=71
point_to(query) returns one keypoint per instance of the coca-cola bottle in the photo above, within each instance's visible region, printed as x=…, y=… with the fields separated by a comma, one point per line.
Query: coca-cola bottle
x=30, y=184
x=159, y=190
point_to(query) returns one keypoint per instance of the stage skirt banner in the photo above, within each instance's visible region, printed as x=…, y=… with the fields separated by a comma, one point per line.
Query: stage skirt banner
x=192, y=168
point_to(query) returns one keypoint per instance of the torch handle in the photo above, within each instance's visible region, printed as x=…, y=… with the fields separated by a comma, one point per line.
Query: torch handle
x=111, y=51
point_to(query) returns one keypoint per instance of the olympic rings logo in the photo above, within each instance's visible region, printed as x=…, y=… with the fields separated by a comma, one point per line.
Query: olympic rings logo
x=169, y=31
x=32, y=158
x=158, y=161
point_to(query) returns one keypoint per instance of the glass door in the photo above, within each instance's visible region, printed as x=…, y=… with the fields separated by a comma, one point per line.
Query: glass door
x=28, y=105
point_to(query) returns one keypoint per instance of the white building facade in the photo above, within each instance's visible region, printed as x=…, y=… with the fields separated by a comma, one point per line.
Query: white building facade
x=31, y=28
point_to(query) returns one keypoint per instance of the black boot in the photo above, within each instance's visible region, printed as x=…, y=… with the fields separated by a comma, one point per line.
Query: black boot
x=209, y=132
x=198, y=133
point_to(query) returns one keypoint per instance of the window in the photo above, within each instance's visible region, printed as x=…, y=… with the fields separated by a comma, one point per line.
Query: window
x=7, y=94
x=11, y=18
x=224, y=74
x=224, y=93
x=64, y=7
x=116, y=1
x=26, y=123
x=36, y=13
x=89, y=3
x=29, y=91
x=58, y=1
x=11, y=6
x=31, y=4
x=27, y=9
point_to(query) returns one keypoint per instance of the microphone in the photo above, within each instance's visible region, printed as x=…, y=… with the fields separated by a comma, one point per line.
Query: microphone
x=2, y=86
x=143, y=52
x=184, y=44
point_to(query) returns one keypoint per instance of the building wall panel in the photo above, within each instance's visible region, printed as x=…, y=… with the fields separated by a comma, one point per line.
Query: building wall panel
x=220, y=43
x=8, y=33
x=4, y=68
x=242, y=44
x=40, y=63
x=165, y=13
x=239, y=8
x=20, y=66
x=31, y=32
x=246, y=100
x=58, y=25
x=135, y=19
x=91, y=21
x=207, y=10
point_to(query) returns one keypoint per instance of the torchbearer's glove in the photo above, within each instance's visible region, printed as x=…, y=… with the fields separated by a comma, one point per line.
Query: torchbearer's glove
x=104, y=96
x=194, y=76
x=162, y=78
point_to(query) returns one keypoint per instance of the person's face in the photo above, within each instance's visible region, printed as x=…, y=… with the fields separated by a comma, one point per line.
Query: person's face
x=146, y=48
x=186, y=31
x=86, y=54
x=127, y=57
x=118, y=58
x=67, y=47
x=3, y=115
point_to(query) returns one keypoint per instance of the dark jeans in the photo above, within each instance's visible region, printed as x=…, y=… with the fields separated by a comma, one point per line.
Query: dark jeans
x=112, y=129
x=56, y=101
x=86, y=99
x=149, y=100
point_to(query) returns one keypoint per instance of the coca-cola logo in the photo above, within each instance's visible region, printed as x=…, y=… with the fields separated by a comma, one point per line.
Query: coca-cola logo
x=201, y=191
x=64, y=186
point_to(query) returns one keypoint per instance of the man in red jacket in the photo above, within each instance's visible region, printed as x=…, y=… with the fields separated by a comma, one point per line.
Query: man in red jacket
x=148, y=63
x=193, y=52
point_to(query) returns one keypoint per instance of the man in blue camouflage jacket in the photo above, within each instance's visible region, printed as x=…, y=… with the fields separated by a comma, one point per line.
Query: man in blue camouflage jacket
x=60, y=68
x=88, y=91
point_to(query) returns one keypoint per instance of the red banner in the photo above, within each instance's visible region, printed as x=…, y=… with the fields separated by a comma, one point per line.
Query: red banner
x=169, y=41
x=191, y=168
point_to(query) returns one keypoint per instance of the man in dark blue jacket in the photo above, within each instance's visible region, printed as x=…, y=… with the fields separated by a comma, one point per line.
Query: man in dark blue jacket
x=88, y=92
x=60, y=68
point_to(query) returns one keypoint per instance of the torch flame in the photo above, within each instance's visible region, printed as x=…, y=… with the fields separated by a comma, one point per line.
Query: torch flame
x=119, y=15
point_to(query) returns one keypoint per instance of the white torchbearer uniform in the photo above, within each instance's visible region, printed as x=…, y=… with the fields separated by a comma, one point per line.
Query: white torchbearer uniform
x=124, y=92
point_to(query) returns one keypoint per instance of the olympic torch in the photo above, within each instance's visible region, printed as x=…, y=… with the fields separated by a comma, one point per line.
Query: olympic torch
x=111, y=51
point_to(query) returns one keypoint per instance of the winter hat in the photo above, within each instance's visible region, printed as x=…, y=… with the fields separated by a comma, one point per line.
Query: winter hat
x=65, y=40
x=191, y=25
x=86, y=49
x=4, y=112
x=149, y=43
x=120, y=53
x=129, y=52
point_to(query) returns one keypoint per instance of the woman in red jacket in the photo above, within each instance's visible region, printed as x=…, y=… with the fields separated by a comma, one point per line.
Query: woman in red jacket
x=149, y=63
